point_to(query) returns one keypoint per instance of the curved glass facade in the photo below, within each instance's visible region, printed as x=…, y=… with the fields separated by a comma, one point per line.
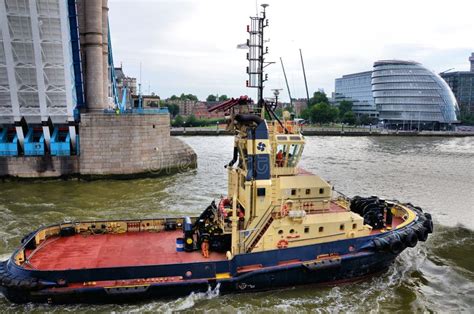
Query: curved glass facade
x=408, y=94
x=357, y=88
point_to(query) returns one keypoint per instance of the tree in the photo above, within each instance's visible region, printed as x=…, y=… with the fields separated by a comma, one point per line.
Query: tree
x=349, y=117
x=173, y=109
x=211, y=98
x=306, y=114
x=191, y=121
x=188, y=97
x=344, y=106
x=174, y=97
x=223, y=98
x=178, y=121
x=365, y=119
x=323, y=113
x=318, y=97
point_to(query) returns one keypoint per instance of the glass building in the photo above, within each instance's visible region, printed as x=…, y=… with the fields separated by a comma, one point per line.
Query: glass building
x=462, y=85
x=409, y=96
x=357, y=88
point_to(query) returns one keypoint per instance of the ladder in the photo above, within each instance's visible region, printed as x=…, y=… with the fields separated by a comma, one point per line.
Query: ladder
x=260, y=234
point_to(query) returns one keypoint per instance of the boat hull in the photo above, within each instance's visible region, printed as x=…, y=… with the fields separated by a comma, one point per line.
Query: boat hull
x=350, y=268
x=324, y=263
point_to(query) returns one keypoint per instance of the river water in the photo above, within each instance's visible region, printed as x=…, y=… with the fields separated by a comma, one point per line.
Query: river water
x=434, y=173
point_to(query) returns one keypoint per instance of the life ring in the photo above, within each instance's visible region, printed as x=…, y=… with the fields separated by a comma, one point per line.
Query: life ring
x=282, y=244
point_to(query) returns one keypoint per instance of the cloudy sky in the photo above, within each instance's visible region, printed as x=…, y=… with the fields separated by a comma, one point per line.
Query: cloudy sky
x=190, y=45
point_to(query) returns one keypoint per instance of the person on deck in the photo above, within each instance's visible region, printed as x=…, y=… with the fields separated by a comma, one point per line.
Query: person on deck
x=205, y=248
x=279, y=158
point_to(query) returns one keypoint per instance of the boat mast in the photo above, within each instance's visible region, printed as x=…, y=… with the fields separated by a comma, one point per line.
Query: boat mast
x=286, y=81
x=257, y=51
x=304, y=75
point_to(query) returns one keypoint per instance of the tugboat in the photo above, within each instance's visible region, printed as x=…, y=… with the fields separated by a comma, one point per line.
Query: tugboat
x=278, y=226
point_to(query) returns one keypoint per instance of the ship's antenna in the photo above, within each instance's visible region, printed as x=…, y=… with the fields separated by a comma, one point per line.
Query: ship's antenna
x=257, y=51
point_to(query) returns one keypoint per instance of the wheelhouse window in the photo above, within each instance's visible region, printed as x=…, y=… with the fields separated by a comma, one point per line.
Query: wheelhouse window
x=288, y=155
x=293, y=155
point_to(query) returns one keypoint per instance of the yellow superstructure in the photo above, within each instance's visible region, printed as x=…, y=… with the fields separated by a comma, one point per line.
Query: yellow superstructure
x=275, y=203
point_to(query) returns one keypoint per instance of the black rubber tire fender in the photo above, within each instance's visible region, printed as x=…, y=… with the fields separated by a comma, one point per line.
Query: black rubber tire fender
x=428, y=216
x=411, y=239
x=422, y=234
x=379, y=244
x=6, y=281
x=396, y=246
x=428, y=224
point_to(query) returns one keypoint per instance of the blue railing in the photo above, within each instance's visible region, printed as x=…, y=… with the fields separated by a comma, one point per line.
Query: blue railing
x=8, y=143
x=34, y=143
x=138, y=111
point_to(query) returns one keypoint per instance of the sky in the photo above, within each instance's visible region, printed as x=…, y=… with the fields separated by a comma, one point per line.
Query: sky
x=189, y=46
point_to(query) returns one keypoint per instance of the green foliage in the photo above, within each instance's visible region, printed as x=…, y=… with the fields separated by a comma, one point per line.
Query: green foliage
x=306, y=114
x=366, y=120
x=174, y=97
x=191, y=121
x=172, y=108
x=211, y=98
x=344, y=106
x=290, y=109
x=217, y=98
x=318, y=97
x=323, y=113
x=223, y=98
x=188, y=97
x=349, y=117
x=178, y=121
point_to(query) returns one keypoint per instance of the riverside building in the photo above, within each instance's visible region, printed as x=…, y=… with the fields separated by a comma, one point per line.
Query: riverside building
x=462, y=85
x=357, y=88
x=409, y=96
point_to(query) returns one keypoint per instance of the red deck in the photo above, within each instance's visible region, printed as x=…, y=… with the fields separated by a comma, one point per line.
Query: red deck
x=127, y=249
x=113, y=250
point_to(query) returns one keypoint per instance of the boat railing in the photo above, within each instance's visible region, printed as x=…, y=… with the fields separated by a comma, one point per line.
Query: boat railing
x=252, y=234
x=286, y=127
x=284, y=171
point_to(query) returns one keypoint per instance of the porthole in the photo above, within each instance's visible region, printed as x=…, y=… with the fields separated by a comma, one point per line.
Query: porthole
x=308, y=191
x=292, y=230
x=280, y=231
x=321, y=229
x=321, y=191
x=293, y=192
x=354, y=226
x=306, y=229
x=341, y=227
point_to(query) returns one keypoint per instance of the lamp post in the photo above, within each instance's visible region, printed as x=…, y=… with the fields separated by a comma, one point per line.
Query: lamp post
x=217, y=127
